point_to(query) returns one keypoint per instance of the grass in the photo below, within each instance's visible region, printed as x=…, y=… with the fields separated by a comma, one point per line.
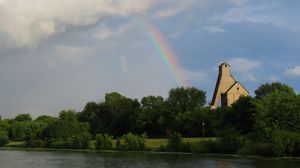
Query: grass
x=151, y=143
x=155, y=143
x=16, y=144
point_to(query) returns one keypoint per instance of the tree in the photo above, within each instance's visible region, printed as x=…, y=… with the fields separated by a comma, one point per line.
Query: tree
x=278, y=110
x=240, y=116
x=46, y=119
x=267, y=89
x=23, y=117
x=152, y=108
x=124, y=111
x=68, y=115
x=181, y=103
x=186, y=99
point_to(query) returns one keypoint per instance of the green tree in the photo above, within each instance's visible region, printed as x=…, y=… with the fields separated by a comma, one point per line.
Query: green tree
x=23, y=117
x=181, y=103
x=99, y=116
x=3, y=138
x=46, y=119
x=68, y=115
x=124, y=112
x=240, y=116
x=152, y=108
x=278, y=110
x=267, y=89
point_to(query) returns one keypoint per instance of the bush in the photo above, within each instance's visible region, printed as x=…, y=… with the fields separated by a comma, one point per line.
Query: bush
x=286, y=143
x=3, y=138
x=103, y=141
x=31, y=141
x=81, y=141
x=60, y=144
x=36, y=144
x=174, y=142
x=206, y=146
x=133, y=142
x=229, y=141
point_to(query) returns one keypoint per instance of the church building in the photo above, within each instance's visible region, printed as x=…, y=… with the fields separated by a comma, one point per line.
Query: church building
x=227, y=89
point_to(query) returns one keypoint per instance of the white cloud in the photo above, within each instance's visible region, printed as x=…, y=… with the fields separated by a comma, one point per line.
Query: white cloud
x=274, y=78
x=214, y=29
x=243, y=64
x=249, y=77
x=124, y=64
x=70, y=54
x=252, y=14
x=176, y=8
x=195, y=75
x=29, y=22
x=293, y=71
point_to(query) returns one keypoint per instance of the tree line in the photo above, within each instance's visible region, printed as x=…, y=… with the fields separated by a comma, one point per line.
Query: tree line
x=265, y=124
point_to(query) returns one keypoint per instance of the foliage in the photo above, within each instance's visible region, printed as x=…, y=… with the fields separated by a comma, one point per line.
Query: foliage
x=81, y=141
x=278, y=110
x=133, y=142
x=228, y=141
x=68, y=115
x=23, y=117
x=103, y=141
x=240, y=116
x=266, y=89
x=19, y=130
x=286, y=143
x=152, y=108
x=3, y=138
x=174, y=142
x=46, y=119
x=206, y=146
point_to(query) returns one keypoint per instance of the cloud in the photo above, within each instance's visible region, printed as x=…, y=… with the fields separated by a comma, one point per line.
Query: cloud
x=195, y=76
x=214, y=29
x=27, y=23
x=253, y=14
x=74, y=55
x=176, y=8
x=293, y=71
x=124, y=64
x=274, y=78
x=249, y=77
x=244, y=64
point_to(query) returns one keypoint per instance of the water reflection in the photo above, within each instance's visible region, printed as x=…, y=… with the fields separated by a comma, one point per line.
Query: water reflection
x=34, y=159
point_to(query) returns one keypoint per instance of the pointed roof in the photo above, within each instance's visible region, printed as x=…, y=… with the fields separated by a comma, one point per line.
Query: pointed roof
x=236, y=82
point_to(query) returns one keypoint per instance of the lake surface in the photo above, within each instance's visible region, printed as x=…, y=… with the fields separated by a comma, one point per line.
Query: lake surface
x=54, y=159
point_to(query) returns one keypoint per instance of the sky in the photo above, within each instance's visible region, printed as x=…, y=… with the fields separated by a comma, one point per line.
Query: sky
x=57, y=55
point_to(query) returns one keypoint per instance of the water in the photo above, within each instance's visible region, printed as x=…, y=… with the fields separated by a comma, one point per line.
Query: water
x=51, y=159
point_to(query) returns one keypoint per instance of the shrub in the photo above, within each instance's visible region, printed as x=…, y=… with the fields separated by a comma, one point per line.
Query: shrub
x=229, y=141
x=133, y=142
x=174, y=142
x=3, y=138
x=81, y=141
x=60, y=144
x=31, y=141
x=286, y=143
x=205, y=146
x=103, y=141
x=247, y=149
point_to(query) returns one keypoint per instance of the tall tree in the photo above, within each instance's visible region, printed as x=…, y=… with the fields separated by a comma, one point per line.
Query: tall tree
x=23, y=117
x=267, y=89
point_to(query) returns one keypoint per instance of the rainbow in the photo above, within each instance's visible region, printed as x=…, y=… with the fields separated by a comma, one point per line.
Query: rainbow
x=167, y=56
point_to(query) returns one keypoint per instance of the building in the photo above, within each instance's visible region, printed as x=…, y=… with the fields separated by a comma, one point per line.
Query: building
x=227, y=89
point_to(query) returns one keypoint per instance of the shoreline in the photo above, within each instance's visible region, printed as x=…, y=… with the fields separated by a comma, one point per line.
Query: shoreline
x=146, y=152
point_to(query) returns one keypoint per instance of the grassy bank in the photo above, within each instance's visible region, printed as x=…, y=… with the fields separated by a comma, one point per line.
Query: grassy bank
x=151, y=143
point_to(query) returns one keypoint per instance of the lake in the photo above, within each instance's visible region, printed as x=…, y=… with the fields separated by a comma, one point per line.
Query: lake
x=62, y=159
